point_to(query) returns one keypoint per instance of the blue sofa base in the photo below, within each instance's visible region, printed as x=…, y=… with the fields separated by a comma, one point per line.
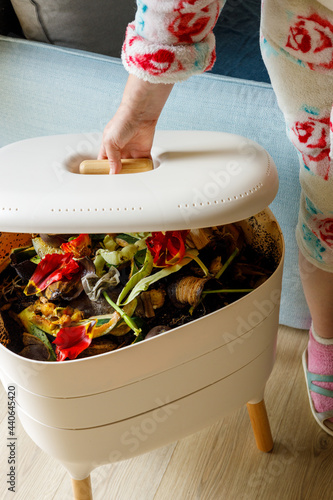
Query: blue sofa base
x=49, y=90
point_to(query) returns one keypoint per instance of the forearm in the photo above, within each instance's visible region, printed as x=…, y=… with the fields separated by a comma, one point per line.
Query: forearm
x=144, y=99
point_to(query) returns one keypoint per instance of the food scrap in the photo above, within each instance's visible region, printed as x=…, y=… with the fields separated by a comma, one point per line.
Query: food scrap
x=70, y=297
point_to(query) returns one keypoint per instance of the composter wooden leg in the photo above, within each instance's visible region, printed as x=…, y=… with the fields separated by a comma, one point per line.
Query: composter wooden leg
x=260, y=425
x=82, y=489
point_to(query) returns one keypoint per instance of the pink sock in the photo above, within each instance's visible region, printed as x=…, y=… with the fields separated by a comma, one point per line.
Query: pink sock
x=320, y=361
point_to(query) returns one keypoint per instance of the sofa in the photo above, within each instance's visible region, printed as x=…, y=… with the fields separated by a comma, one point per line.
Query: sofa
x=48, y=88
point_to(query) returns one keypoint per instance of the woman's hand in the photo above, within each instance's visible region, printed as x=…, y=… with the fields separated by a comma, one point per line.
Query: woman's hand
x=130, y=133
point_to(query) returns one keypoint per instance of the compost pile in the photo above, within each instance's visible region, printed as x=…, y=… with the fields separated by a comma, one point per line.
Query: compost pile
x=74, y=296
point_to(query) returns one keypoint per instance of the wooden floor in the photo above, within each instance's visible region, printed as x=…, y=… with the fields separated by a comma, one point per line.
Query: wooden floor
x=220, y=462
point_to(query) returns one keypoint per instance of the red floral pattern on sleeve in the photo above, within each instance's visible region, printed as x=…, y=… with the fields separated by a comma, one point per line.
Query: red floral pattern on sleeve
x=171, y=41
x=156, y=63
x=185, y=27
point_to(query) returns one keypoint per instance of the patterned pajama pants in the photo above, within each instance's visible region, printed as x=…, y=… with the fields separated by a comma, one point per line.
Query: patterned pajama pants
x=297, y=47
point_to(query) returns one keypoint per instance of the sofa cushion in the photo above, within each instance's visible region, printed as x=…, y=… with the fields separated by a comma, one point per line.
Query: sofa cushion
x=237, y=41
x=51, y=90
x=97, y=26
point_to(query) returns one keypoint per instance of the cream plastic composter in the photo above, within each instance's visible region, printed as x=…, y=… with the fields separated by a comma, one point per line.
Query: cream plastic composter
x=84, y=412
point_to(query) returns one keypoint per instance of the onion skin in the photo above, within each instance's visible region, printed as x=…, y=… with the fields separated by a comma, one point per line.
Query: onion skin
x=186, y=291
x=157, y=330
x=53, y=240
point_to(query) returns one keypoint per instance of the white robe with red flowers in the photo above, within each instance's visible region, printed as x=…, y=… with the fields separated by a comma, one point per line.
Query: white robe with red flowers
x=297, y=47
x=171, y=40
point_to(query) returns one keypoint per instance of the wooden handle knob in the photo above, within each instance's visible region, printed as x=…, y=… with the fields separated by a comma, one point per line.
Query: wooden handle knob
x=129, y=166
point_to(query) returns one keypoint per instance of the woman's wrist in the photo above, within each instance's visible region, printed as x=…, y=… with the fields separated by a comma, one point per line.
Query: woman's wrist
x=145, y=99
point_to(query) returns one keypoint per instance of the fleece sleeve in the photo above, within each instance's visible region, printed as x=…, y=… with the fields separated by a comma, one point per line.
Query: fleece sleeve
x=170, y=40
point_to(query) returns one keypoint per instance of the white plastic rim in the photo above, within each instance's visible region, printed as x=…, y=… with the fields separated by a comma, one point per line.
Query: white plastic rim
x=200, y=179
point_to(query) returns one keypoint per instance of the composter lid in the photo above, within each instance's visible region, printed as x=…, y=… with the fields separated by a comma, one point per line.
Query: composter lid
x=199, y=179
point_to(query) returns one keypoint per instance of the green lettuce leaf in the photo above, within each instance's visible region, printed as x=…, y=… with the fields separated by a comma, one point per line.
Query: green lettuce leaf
x=136, y=278
x=145, y=283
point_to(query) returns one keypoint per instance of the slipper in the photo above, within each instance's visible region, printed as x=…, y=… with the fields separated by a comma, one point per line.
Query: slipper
x=313, y=377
